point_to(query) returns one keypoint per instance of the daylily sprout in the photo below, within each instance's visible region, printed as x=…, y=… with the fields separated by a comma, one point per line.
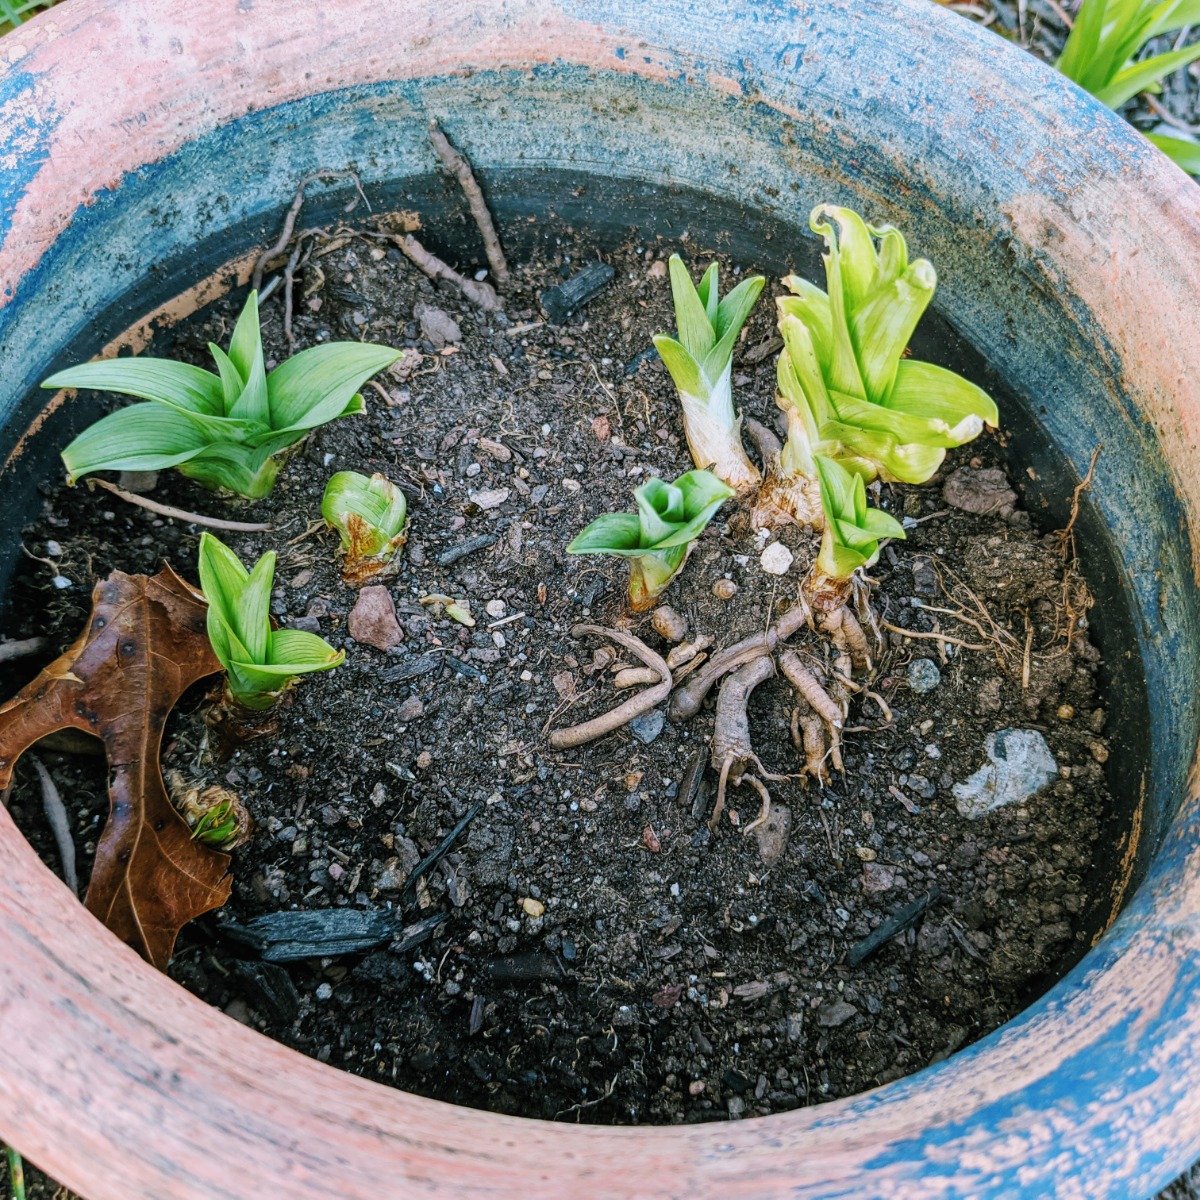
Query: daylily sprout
x=844, y=384
x=700, y=363
x=260, y=662
x=224, y=430
x=658, y=537
x=369, y=515
x=853, y=530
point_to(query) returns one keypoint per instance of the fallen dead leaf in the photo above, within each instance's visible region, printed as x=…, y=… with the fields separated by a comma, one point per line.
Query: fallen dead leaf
x=144, y=646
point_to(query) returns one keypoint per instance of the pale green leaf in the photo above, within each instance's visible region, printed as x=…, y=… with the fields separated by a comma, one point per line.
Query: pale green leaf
x=883, y=525
x=708, y=291
x=1137, y=77
x=851, y=247
x=321, y=383
x=297, y=652
x=245, y=345
x=684, y=370
x=660, y=510
x=1181, y=152
x=925, y=390
x=231, y=381
x=252, y=611
x=612, y=533
x=695, y=330
x=180, y=385
x=142, y=437
x=881, y=328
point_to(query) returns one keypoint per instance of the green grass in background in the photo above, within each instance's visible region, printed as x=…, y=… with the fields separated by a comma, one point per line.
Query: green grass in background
x=13, y=12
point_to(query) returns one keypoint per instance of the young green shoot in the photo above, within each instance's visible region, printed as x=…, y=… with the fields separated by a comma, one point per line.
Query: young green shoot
x=659, y=536
x=847, y=389
x=369, y=514
x=700, y=361
x=260, y=662
x=224, y=430
x=853, y=531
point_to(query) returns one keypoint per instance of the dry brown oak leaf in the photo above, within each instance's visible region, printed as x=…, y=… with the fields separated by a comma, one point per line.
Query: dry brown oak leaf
x=144, y=646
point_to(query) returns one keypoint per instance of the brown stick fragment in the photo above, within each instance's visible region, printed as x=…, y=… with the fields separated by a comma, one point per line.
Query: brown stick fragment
x=686, y=702
x=769, y=446
x=629, y=677
x=178, y=514
x=482, y=294
x=60, y=824
x=457, y=165
x=588, y=731
x=806, y=683
x=11, y=651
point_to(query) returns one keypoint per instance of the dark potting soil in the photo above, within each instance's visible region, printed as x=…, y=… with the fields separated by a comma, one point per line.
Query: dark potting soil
x=600, y=956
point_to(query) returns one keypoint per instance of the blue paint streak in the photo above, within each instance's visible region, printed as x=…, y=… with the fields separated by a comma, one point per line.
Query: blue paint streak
x=26, y=135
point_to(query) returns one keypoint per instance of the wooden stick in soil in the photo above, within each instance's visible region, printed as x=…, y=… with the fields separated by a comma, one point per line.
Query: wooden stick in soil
x=11, y=651
x=455, y=162
x=60, y=824
x=481, y=294
x=588, y=731
x=178, y=514
x=686, y=702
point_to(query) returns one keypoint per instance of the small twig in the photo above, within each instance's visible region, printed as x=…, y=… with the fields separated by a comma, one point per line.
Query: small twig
x=902, y=919
x=60, y=824
x=165, y=510
x=11, y=651
x=455, y=162
x=289, y=222
x=506, y=620
x=1061, y=13
x=482, y=294
x=1026, y=663
x=577, y=735
x=941, y=512
x=1164, y=114
x=937, y=637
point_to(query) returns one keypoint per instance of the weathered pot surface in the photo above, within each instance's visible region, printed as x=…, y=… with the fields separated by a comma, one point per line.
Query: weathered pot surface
x=145, y=143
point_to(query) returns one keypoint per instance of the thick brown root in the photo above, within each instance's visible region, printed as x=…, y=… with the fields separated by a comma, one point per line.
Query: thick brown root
x=577, y=735
x=848, y=637
x=686, y=702
x=807, y=684
x=808, y=736
x=765, y=811
x=732, y=751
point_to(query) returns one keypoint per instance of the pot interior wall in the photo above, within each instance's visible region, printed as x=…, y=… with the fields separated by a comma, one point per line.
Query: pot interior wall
x=536, y=207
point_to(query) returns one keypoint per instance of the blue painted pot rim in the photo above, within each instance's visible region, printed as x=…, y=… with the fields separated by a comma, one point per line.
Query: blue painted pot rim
x=135, y=132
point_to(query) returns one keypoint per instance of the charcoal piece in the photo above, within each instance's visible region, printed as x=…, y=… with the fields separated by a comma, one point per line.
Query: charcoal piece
x=411, y=936
x=902, y=919
x=268, y=988
x=462, y=549
x=410, y=670
x=461, y=668
x=561, y=301
x=528, y=966
x=323, y=933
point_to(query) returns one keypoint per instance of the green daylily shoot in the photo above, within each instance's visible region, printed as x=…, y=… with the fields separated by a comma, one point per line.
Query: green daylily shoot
x=658, y=537
x=261, y=662
x=701, y=362
x=223, y=430
x=852, y=530
x=844, y=384
x=369, y=515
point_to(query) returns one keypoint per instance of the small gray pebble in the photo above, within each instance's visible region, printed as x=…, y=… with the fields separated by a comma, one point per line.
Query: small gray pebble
x=923, y=675
x=647, y=726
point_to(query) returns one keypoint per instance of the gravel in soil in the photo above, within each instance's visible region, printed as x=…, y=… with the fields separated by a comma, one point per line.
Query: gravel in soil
x=602, y=956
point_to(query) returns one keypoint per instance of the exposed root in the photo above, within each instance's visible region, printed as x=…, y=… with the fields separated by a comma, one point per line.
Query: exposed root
x=289, y=222
x=588, y=731
x=686, y=702
x=60, y=824
x=769, y=446
x=806, y=683
x=848, y=637
x=481, y=294
x=765, y=811
x=22, y=648
x=456, y=163
x=732, y=751
x=629, y=677
x=808, y=736
x=178, y=514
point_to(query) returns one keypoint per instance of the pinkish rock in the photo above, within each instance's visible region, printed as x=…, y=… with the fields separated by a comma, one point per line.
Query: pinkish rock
x=876, y=877
x=373, y=619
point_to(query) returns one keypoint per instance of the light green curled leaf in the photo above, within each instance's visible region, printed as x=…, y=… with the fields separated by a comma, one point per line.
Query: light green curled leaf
x=142, y=437
x=683, y=368
x=611, y=533
x=1183, y=153
x=321, y=383
x=881, y=328
x=691, y=317
x=852, y=529
x=1141, y=76
x=925, y=390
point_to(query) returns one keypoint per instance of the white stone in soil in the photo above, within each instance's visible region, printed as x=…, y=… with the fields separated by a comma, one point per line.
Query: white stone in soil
x=776, y=559
x=1019, y=765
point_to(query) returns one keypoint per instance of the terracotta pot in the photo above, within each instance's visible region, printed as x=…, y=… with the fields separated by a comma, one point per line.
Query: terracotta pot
x=147, y=141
